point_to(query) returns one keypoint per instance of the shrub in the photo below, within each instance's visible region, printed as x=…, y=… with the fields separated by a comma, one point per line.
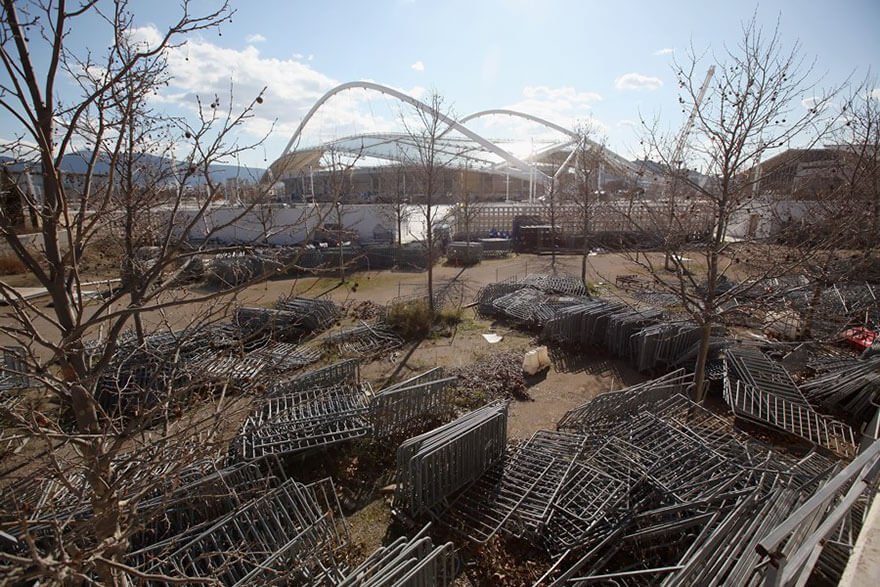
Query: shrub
x=11, y=265
x=411, y=319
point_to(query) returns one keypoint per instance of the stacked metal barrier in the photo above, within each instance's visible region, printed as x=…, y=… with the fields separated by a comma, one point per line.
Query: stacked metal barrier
x=398, y=408
x=434, y=465
x=340, y=372
x=407, y=562
x=287, y=534
x=603, y=413
x=269, y=323
x=644, y=475
x=662, y=345
x=532, y=300
x=622, y=326
x=284, y=356
x=300, y=416
x=851, y=386
x=364, y=340
x=760, y=390
x=237, y=268
x=313, y=315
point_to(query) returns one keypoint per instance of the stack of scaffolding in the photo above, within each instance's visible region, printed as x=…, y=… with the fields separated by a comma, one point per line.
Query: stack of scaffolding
x=229, y=269
x=364, y=340
x=268, y=323
x=464, y=253
x=761, y=391
x=288, y=534
x=641, y=486
x=532, y=300
x=406, y=561
x=313, y=315
x=316, y=410
x=850, y=386
x=434, y=465
x=399, y=408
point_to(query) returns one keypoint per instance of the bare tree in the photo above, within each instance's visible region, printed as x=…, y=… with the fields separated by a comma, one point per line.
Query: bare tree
x=583, y=191
x=752, y=107
x=337, y=170
x=432, y=172
x=107, y=444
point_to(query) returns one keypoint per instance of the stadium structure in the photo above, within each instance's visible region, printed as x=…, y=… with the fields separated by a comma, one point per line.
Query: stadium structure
x=385, y=165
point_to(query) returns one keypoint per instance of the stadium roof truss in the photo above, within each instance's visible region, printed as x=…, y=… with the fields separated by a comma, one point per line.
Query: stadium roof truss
x=456, y=146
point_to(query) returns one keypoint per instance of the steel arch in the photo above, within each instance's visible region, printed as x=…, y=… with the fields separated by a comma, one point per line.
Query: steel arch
x=489, y=145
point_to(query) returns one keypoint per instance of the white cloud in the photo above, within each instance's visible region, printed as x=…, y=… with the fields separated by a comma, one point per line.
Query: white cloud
x=202, y=69
x=637, y=81
x=418, y=66
x=144, y=37
x=255, y=38
x=875, y=93
x=664, y=51
x=814, y=102
x=627, y=123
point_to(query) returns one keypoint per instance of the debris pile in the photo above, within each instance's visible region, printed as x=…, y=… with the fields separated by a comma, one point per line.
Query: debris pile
x=496, y=376
x=529, y=301
x=313, y=314
x=289, y=533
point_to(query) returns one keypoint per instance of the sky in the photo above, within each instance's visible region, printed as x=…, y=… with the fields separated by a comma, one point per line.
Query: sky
x=605, y=62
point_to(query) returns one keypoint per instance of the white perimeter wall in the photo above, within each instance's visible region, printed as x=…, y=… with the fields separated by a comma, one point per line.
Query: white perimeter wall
x=294, y=224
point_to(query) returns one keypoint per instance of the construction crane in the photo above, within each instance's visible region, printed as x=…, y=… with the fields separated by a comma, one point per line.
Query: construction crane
x=677, y=155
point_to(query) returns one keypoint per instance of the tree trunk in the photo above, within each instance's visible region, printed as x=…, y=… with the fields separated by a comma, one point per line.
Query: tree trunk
x=811, y=310
x=702, y=360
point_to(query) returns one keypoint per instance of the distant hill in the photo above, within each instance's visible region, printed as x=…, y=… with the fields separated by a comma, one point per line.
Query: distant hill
x=78, y=163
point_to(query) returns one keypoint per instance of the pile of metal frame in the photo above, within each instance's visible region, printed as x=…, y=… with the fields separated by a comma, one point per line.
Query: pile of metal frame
x=365, y=340
x=583, y=323
x=532, y=300
x=313, y=315
x=603, y=413
x=399, y=408
x=305, y=414
x=662, y=345
x=640, y=486
x=761, y=391
x=622, y=326
x=229, y=269
x=563, y=285
x=269, y=323
x=410, y=562
x=850, y=386
x=434, y=465
x=641, y=335
x=284, y=356
x=464, y=253
x=13, y=372
x=288, y=534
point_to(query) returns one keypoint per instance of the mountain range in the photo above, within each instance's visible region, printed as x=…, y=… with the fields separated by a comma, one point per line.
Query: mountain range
x=77, y=163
